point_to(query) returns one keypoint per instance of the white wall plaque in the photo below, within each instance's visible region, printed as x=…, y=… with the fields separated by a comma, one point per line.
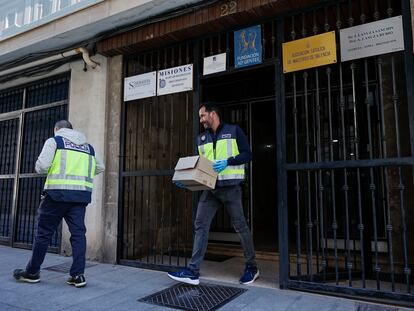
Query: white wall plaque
x=376, y=38
x=140, y=86
x=174, y=80
x=215, y=63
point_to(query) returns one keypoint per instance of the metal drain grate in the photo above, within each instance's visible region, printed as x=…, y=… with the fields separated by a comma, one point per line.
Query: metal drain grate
x=65, y=267
x=204, y=297
x=372, y=307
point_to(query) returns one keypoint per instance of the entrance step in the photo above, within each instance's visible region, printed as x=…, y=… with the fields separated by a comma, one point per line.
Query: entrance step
x=237, y=251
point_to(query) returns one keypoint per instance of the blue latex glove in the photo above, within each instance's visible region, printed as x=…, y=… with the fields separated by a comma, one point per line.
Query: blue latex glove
x=219, y=165
x=179, y=185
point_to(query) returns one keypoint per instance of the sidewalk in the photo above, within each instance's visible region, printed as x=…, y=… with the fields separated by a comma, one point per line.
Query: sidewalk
x=118, y=288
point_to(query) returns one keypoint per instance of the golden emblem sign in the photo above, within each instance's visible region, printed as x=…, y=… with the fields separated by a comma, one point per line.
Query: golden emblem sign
x=309, y=52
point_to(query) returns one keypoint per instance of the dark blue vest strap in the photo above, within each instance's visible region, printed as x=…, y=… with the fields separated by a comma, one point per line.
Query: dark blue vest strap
x=63, y=143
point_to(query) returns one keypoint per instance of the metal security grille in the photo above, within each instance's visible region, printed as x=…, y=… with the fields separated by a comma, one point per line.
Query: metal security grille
x=206, y=297
x=345, y=146
x=156, y=216
x=11, y=100
x=349, y=171
x=6, y=203
x=27, y=117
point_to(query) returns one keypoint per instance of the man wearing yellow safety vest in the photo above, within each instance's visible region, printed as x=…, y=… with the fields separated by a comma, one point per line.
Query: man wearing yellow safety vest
x=71, y=164
x=227, y=146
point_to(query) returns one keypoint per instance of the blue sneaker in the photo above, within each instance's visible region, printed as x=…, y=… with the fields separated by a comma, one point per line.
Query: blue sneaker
x=185, y=275
x=251, y=273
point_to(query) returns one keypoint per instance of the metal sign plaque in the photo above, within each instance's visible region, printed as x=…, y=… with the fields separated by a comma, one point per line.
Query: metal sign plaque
x=174, y=80
x=140, y=86
x=214, y=64
x=248, y=46
x=309, y=52
x=376, y=38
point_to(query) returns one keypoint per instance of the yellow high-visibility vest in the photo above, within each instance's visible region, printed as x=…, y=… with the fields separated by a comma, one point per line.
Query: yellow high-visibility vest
x=73, y=167
x=226, y=147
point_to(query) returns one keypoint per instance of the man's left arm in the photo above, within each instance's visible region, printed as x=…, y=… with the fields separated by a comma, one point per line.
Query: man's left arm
x=100, y=166
x=245, y=154
x=45, y=159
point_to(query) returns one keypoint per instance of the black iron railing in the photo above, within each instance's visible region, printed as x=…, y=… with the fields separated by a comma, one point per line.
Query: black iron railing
x=349, y=163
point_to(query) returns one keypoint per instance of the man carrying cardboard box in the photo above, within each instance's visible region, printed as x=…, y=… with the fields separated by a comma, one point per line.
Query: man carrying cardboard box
x=227, y=146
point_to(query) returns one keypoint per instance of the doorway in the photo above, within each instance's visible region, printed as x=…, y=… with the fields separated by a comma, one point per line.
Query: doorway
x=253, y=109
x=247, y=99
x=263, y=174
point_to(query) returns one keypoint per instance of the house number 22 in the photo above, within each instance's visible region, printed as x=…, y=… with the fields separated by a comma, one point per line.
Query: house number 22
x=228, y=8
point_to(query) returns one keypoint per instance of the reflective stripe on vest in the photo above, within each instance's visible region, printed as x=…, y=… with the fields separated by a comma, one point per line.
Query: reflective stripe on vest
x=71, y=170
x=225, y=148
x=207, y=151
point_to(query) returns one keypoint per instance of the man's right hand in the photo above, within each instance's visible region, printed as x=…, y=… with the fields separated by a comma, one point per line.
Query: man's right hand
x=179, y=185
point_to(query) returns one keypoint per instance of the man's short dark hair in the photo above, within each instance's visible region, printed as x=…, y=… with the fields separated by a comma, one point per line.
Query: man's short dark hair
x=212, y=106
x=63, y=124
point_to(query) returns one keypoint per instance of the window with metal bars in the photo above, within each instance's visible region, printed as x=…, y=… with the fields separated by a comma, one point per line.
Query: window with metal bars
x=27, y=117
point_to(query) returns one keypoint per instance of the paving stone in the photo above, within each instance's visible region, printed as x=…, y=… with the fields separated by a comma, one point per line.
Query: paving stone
x=118, y=288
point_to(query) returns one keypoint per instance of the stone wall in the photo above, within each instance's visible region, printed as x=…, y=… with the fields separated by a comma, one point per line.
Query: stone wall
x=87, y=112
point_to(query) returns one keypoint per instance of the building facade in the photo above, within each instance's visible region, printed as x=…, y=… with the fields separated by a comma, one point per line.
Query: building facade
x=48, y=73
x=328, y=194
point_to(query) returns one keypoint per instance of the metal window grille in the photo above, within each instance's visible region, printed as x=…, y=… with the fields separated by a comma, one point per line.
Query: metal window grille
x=27, y=116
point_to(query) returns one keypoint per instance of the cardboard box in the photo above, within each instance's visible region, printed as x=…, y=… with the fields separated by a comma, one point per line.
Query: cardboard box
x=196, y=173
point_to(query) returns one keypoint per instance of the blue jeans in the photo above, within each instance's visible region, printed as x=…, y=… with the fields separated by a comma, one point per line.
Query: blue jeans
x=50, y=214
x=210, y=201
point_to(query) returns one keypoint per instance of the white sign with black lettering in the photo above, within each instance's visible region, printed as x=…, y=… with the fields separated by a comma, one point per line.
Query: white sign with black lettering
x=376, y=38
x=140, y=86
x=215, y=63
x=174, y=80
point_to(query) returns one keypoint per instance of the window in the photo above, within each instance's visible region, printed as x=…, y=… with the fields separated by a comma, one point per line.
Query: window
x=45, y=7
x=11, y=20
x=18, y=16
x=64, y=4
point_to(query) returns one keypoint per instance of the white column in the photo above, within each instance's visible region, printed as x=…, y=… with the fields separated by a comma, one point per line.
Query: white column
x=87, y=112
